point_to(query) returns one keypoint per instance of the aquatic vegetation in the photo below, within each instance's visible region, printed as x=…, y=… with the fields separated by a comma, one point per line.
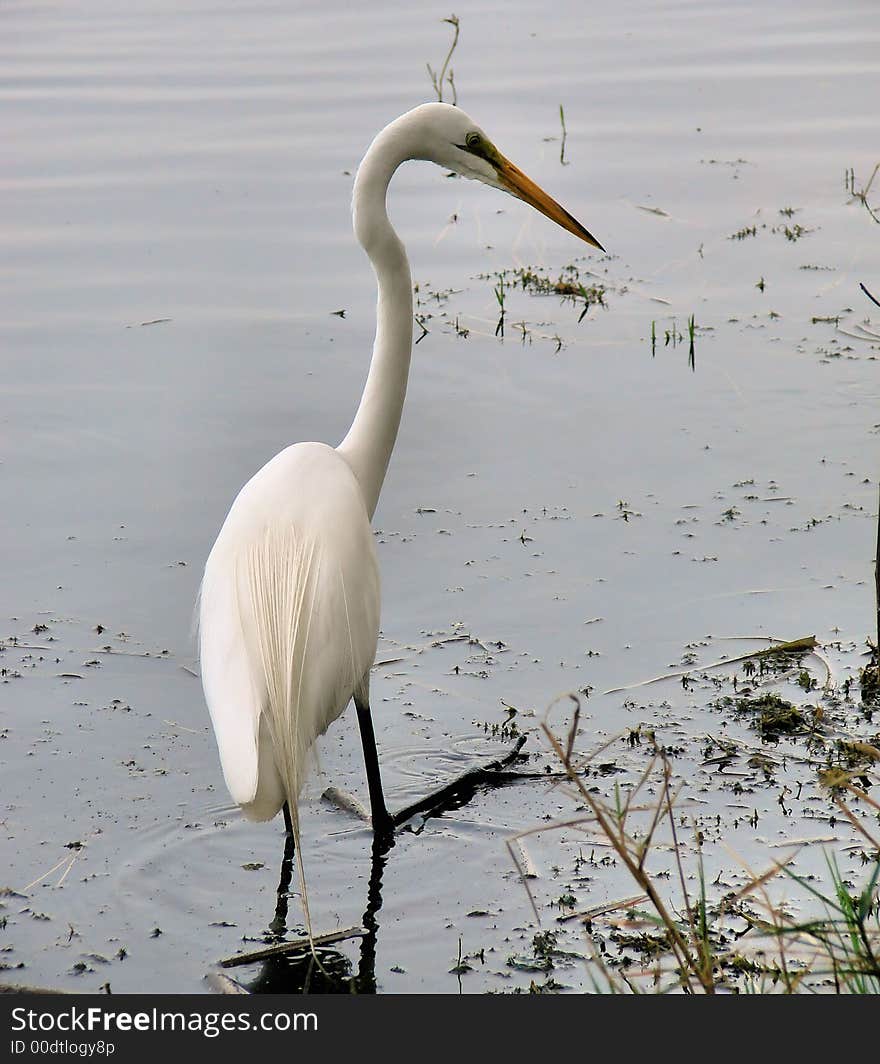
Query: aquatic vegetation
x=694, y=939
x=860, y=195
x=445, y=73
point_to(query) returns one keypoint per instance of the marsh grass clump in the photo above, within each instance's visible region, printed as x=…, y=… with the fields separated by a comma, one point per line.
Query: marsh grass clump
x=504, y=730
x=545, y=956
x=673, y=336
x=772, y=714
x=792, y=232
x=847, y=934
x=567, y=284
x=869, y=683
x=683, y=933
x=746, y=231
x=778, y=659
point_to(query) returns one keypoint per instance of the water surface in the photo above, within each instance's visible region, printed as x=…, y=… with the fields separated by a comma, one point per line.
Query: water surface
x=176, y=221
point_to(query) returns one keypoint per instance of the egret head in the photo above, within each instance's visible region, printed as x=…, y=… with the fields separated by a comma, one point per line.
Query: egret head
x=453, y=140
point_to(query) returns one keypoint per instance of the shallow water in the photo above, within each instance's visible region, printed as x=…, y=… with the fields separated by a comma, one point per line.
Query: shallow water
x=192, y=168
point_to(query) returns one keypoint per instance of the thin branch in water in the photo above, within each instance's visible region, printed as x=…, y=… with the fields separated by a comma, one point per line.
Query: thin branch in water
x=792, y=646
x=294, y=946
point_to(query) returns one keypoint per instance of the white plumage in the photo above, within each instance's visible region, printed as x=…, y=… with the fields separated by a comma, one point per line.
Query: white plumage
x=289, y=613
x=289, y=620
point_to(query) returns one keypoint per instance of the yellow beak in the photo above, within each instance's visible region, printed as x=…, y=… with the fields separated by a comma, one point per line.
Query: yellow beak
x=516, y=182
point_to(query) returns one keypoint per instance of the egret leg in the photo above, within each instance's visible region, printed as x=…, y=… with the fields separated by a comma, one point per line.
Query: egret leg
x=278, y=927
x=383, y=824
x=288, y=823
x=365, y=980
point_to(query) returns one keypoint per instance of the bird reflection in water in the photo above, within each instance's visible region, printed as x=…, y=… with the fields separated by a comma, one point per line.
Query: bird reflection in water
x=297, y=972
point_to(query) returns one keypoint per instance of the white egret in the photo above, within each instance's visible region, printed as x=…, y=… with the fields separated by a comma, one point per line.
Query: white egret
x=289, y=613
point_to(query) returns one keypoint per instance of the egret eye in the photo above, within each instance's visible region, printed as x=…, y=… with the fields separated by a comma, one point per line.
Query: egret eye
x=473, y=140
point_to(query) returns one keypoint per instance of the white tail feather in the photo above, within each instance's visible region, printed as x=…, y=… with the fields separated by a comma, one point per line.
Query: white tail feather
x=280, y=581
x=279, y=587
x=289, y=619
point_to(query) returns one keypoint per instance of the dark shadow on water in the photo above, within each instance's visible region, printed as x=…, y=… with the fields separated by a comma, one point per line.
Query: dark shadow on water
x=298, y=973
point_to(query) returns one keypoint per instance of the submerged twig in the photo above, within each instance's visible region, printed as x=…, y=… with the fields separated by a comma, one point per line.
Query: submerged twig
x=293, y=946
x=793, y=646
x=603, y=909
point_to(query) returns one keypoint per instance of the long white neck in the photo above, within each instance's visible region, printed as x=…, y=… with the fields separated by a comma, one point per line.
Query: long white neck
x=367, y=447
